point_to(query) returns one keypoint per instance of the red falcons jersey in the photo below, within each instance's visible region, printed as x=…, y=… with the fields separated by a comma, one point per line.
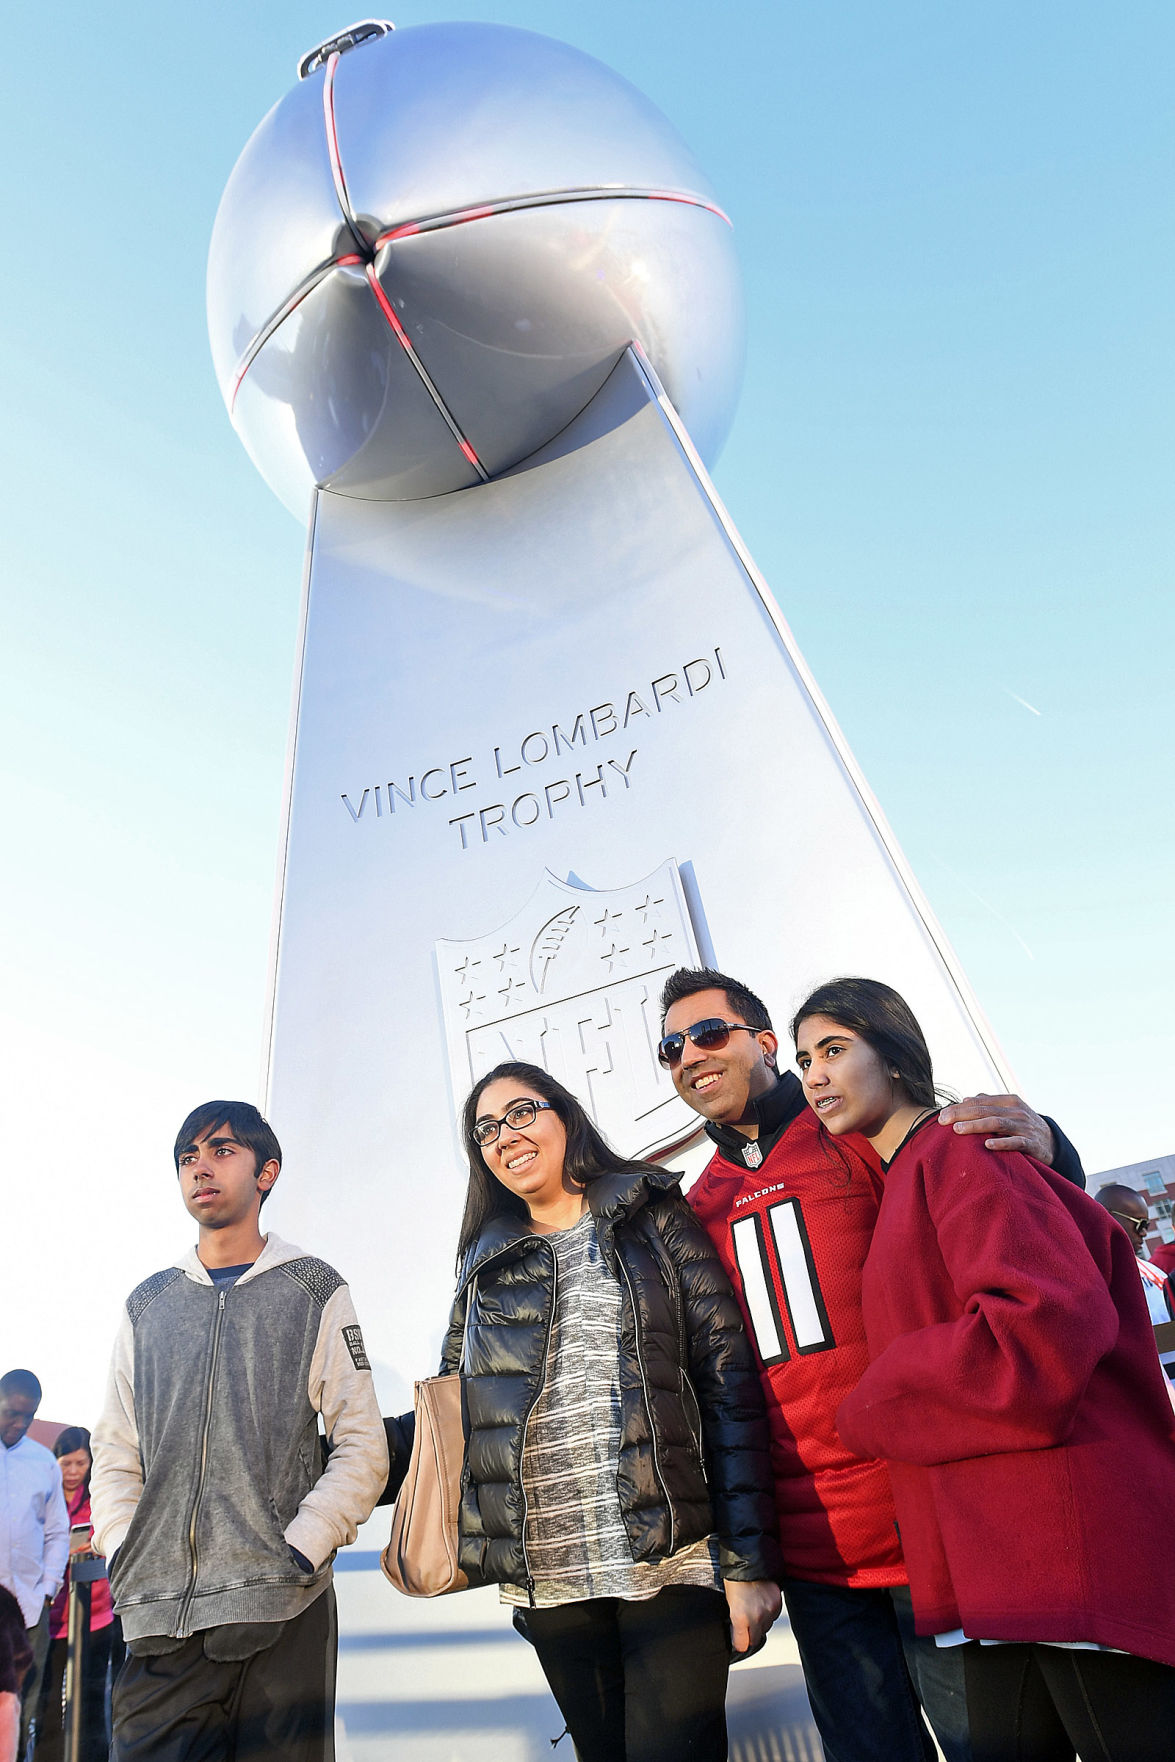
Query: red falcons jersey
x=793, y=1235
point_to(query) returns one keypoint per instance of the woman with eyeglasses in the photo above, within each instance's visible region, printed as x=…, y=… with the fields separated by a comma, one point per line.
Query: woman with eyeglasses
x=1016, y=1393
x=616, y=1478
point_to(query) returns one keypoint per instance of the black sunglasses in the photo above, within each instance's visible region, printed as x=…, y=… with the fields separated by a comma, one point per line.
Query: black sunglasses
x=710, y=1036
x=1140, y=1225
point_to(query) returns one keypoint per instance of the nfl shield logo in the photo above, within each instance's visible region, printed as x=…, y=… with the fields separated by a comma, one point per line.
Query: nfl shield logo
x=572, y=984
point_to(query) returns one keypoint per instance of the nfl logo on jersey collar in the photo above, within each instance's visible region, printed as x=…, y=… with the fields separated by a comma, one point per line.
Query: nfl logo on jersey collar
x=752, y=1155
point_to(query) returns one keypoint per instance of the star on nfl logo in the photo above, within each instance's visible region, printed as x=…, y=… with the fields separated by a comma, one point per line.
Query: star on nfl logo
x=572, y=984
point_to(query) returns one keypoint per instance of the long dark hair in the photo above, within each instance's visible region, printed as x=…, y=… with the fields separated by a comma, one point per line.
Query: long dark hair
x=885, y=1021
x=75, y=1438
x=588, y=1152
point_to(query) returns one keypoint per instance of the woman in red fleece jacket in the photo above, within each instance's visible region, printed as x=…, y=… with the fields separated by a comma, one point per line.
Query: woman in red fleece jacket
x=1016, y=1393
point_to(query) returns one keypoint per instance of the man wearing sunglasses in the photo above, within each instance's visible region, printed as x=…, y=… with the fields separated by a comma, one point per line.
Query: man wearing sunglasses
x=792, y=1214
x=1133, y=1213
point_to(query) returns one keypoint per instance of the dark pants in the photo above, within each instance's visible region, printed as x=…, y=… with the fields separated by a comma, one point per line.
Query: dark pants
x=639, y=1682
x=939, y=1681
x=95, y=1725
x=853, y=1647
x=30, y=1693
x=1047, y=1703
x=185, y=1707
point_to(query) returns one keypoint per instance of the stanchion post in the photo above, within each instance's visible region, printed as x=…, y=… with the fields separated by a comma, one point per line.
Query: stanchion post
x=82, y=1574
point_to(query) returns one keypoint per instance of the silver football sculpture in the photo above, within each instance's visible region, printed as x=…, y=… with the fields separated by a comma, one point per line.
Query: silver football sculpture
x=433, y=250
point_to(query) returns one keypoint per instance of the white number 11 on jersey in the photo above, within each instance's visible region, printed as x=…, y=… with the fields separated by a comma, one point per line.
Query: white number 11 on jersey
x=810, y=1327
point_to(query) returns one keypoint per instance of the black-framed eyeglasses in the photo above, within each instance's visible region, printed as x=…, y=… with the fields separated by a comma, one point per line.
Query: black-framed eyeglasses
x=1140, y=1225
x=521, y=1114
x=710, y=1036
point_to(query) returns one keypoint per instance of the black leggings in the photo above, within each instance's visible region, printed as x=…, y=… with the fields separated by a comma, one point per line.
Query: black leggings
x=1048, y=1703
x=639, y=1682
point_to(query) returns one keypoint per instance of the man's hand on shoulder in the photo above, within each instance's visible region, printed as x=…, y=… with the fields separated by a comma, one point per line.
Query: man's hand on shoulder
x=1005, y=1123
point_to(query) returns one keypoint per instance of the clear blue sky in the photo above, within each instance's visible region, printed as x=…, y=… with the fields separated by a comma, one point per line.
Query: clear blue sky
x=952, y=462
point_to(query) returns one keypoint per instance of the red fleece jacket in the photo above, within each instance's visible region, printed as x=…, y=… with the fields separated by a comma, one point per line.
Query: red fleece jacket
x=1016, y=1391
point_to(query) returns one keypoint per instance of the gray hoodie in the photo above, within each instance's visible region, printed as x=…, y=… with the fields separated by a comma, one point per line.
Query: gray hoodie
x=207, y=1466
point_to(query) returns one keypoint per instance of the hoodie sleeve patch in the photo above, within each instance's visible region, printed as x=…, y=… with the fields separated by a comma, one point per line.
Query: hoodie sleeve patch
x=353, y=1336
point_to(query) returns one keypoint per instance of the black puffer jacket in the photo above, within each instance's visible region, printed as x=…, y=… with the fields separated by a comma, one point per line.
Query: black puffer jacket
x=693, y=1437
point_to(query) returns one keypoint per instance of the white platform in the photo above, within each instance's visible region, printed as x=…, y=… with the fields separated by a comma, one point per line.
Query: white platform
x=451, y=1681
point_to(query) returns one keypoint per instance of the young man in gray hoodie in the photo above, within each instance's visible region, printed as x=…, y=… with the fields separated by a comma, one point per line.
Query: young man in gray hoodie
x=209, y=1494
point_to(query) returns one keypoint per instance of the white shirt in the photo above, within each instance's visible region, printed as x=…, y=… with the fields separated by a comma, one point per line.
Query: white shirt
x=34, y=1526
x=1154, y=1289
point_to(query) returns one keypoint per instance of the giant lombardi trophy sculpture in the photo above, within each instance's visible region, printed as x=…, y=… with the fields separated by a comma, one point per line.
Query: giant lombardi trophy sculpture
x=476, y=314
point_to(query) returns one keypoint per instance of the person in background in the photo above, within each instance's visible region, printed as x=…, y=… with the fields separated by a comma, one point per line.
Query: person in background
x=1014, y=1390
x=792, y=1225
x=1133, y=1213
x=72, y=1450
x=209, y=1492
x=16, y=1657
x=34, y=1528
x=616, y=1480
x=1164, y=1257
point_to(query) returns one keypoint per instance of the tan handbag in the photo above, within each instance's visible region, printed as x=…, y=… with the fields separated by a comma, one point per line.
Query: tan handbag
x=421, y=1556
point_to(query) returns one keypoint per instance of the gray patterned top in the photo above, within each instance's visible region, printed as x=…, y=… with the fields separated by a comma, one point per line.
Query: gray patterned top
x=575, y=1537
